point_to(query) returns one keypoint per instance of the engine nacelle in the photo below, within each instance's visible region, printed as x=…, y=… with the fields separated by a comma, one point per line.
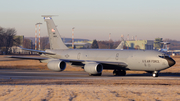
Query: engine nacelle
x=56, y=65
x=93, y=68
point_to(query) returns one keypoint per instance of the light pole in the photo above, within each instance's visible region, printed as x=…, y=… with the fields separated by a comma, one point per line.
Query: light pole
x=73, y=37
x=36, y=35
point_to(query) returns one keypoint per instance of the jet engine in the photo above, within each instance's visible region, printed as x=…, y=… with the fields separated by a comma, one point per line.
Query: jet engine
x=93, y=68
x=56, y=65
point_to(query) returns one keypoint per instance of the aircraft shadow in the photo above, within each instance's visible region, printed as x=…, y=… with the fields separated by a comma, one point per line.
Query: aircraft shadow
x=160, y=74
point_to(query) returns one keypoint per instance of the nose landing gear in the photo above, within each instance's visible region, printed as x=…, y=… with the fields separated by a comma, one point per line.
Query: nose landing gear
x=155, y=74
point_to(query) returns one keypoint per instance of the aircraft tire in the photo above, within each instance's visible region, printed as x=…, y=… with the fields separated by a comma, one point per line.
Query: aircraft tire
x=119, y=72
x=123, y=72
x=116, y=72
x=155, y=75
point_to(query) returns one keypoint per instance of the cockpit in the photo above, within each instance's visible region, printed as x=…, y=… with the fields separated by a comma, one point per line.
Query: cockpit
x=170, y=61
x=164, y=56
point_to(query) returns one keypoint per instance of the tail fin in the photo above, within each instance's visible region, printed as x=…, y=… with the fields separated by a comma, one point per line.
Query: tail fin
x=54, y=36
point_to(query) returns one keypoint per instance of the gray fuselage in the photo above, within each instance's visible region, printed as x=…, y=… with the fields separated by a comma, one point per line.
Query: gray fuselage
x=142, y=60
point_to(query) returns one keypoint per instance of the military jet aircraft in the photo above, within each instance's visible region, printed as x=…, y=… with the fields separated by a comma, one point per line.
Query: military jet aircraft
x=95, y=60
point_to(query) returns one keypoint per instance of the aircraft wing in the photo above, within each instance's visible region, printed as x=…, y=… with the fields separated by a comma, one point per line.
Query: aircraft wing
x=38, y=51
x=113, y=63
x=32, y=58
x=73, y=61
x=102, y=62
x=28, y=57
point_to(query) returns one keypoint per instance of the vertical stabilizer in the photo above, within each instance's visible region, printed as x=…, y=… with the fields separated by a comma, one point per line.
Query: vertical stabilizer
x=54, y=36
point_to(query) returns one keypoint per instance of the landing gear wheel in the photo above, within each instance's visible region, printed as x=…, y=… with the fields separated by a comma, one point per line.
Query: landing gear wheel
x=123, y=72
x=115, y=72
x=95, y=74
x=119, y=72
x=155, y=75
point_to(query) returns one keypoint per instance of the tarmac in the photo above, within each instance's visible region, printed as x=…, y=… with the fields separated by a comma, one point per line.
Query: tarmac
x=48, y=74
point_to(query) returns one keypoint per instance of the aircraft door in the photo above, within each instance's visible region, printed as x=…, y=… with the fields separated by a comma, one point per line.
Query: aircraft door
x=78, y=56
x=117, y=56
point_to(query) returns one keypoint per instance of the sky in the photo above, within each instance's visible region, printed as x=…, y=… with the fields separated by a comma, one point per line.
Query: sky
x=95, y=19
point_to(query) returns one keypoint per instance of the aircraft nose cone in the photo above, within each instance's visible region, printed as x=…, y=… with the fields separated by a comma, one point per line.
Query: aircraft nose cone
x=171, y=62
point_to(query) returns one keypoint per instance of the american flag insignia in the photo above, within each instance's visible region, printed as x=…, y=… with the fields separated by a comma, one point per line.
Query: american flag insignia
x=53, y=30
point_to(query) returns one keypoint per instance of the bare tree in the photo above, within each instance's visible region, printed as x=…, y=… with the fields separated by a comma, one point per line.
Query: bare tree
x=47, y=46
x=27, y=43
x=44, y=42
x=94, y=45
x=7, y=39
x=1, y=37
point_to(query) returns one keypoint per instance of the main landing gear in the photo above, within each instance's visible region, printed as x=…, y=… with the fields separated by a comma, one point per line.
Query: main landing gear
x=117, y=72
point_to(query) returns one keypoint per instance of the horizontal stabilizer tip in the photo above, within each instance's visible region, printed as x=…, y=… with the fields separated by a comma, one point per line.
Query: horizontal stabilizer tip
x=48, y=16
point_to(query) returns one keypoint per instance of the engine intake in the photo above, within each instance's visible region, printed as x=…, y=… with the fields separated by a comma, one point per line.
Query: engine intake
x=93, y=68
x=56, y=65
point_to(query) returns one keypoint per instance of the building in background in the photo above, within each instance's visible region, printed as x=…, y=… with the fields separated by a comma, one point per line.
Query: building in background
x=140, y=44
x=15, y=49
x=84, y=44
x=80, y=44
x=158, y=43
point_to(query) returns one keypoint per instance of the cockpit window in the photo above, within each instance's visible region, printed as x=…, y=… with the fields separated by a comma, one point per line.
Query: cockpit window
x=163, y=56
